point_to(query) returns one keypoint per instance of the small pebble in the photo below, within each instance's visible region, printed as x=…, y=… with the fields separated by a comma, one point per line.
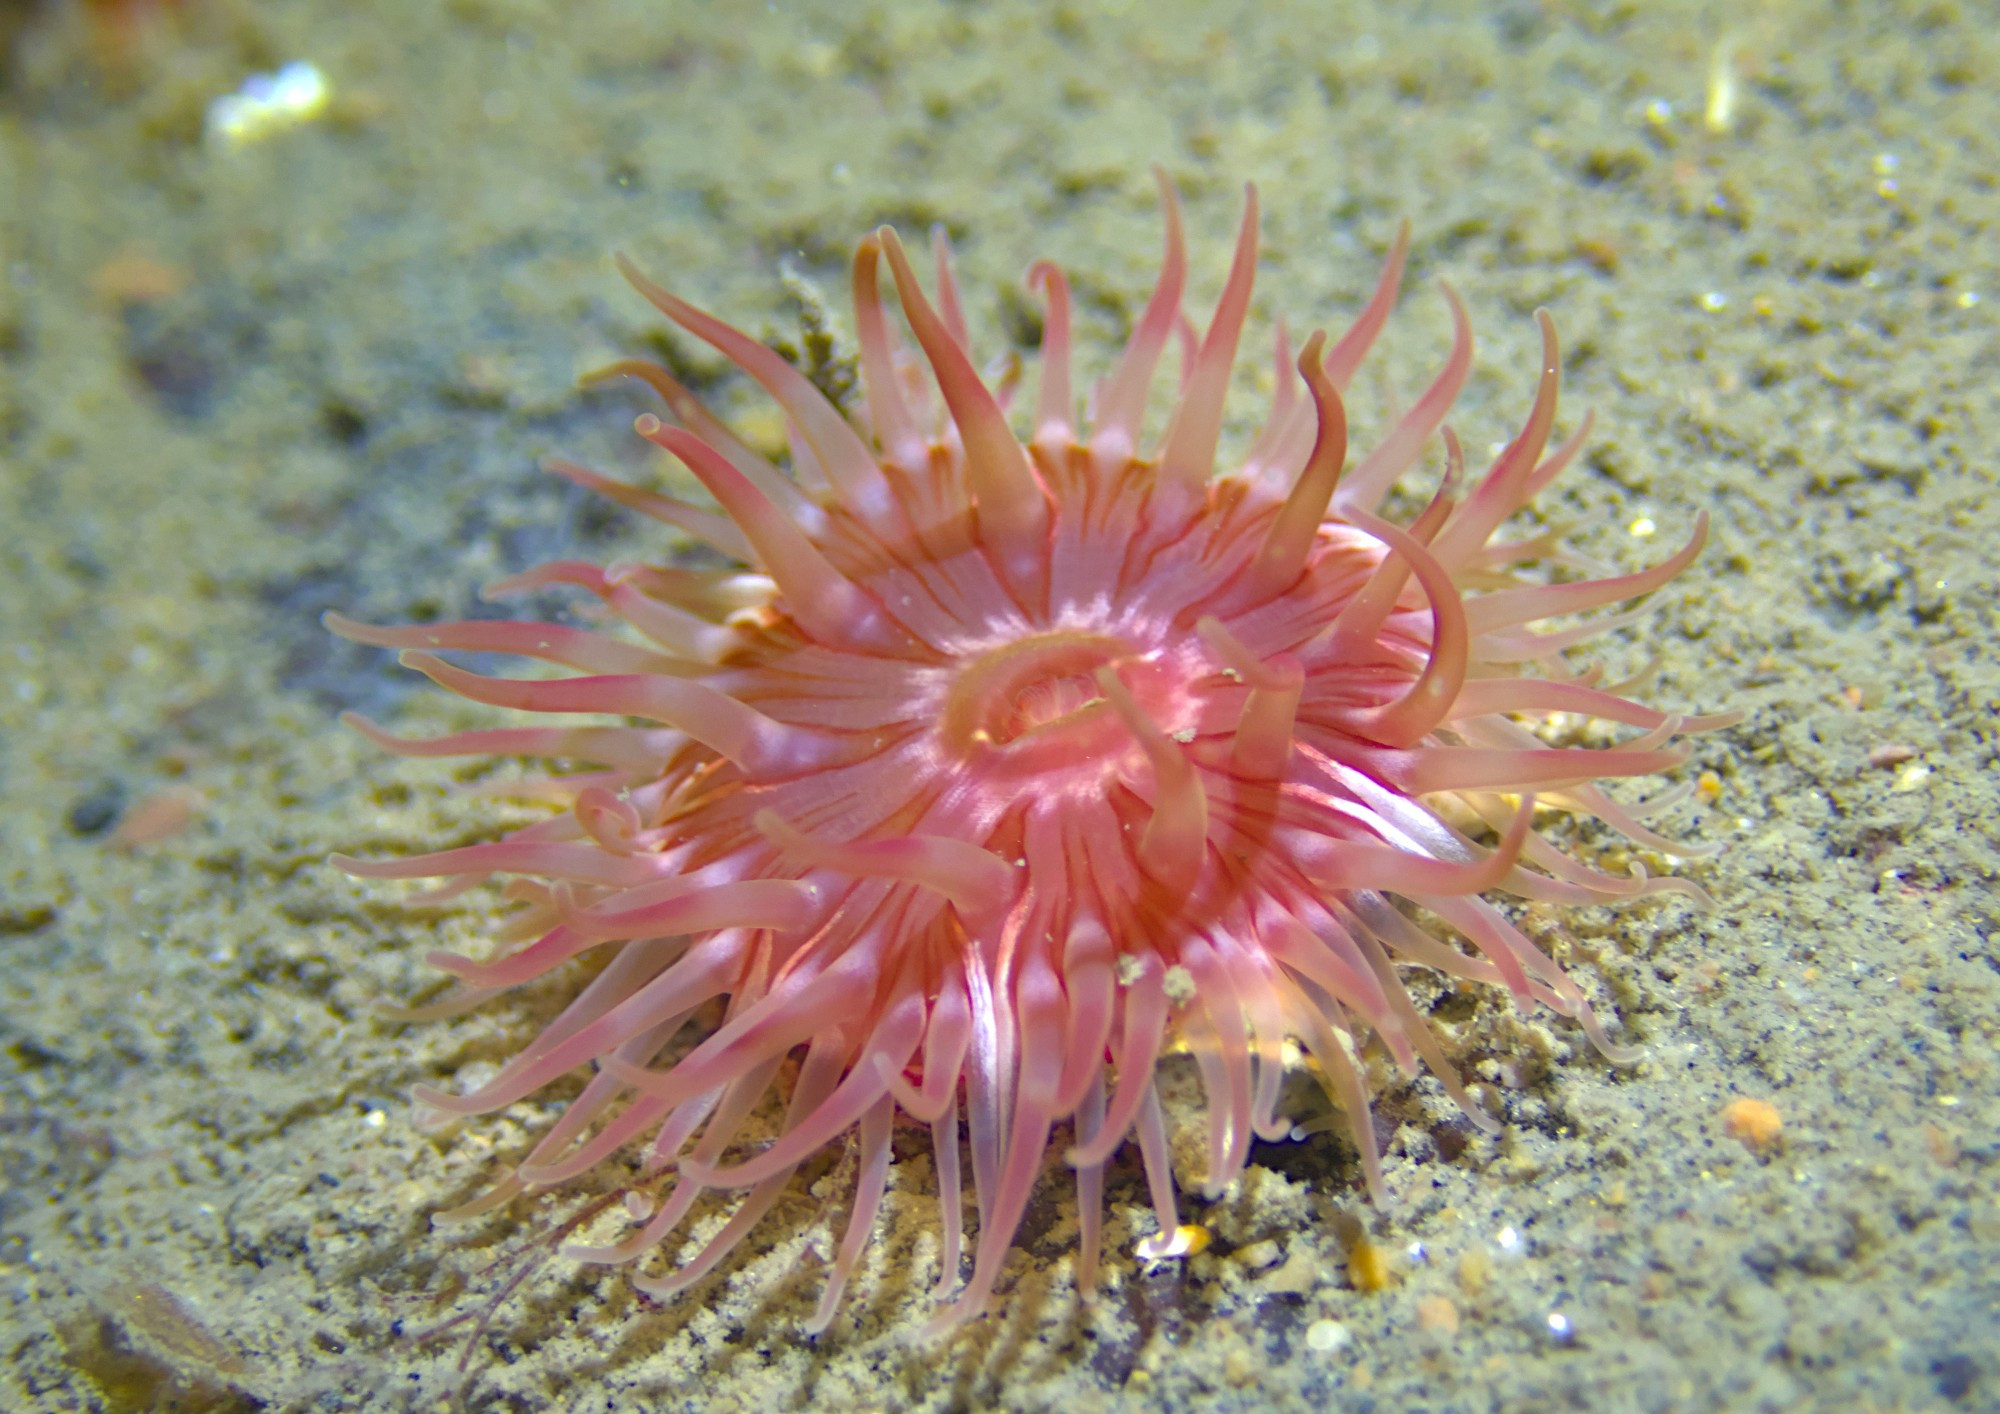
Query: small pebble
x=159, y=816
x=1325, y=1337
x=1367, y=1266
x=98, y=811
x=1299, y=1275
x=1755, y=1124
x=1436, y=1313
x=1258, y=1255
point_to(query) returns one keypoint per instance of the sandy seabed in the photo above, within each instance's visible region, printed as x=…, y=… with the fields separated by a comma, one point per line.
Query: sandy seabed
x=243, y=383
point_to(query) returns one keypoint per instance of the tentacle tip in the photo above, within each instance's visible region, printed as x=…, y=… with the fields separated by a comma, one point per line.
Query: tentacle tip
x=1689, y=853
x=591, y=377
x=1276, y=1131
x=382, y=1009
x=1309, y=357
x=429, y=1097
x=1485, y=1123
x=952, y=1319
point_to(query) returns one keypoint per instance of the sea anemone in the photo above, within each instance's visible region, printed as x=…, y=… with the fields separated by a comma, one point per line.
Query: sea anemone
x=1003, y=767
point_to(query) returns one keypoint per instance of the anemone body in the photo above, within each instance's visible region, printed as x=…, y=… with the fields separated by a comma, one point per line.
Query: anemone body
x=1002, y=766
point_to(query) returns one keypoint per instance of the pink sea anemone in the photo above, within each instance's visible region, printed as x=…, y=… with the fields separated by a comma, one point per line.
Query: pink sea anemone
x=1007, y=765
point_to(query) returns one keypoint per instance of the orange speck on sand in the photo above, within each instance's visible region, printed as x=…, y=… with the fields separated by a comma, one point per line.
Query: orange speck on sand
x=158, y=817
x=1756, y=1124
x=1943, y=1146
x=1187, y=1240
x=1437, y=1313
x=122, y=27
x=1598, y=253
x=1368, y=1266
x=136, y=278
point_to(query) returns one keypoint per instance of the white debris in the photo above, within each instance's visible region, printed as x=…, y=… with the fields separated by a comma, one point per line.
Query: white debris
x=267, y=104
